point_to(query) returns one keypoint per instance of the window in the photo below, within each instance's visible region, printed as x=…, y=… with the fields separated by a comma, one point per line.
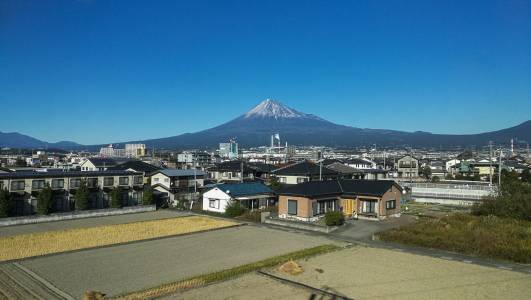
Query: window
x=292, y=207
x=139, y=180
x=108, y=181
x=369, y=206
x=92, y=182
x=156, y=179
x=391, y=204
x=75, y=183
x=37, y=184
x=18, y=185
x=301, y=179
x=166, y=179
x=58, y=183
x=124, y=180
x=213, y=203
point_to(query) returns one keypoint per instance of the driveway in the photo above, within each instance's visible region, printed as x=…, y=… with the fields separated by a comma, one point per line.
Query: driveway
x=364, y=229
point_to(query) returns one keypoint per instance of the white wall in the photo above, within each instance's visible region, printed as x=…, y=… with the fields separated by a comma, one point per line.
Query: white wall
x=160, y=178
x=222, y=199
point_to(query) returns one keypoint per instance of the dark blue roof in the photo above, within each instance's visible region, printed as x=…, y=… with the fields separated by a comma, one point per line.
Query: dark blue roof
x=245, y=189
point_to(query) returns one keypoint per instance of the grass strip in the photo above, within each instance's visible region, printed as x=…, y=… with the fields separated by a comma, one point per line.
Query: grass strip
x=43, y=243
x=201, y=280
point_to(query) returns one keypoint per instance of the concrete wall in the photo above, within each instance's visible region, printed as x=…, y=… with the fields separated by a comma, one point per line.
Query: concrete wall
x=300, y=225
x=75, y=215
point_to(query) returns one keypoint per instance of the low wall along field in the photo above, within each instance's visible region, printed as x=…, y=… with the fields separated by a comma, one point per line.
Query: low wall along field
x=36, y=244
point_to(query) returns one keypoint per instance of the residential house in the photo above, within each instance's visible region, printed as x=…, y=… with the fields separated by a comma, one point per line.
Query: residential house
x=97, y=164
x=137, y=166
x=408, y=167
x=174, y=185
x=370, y=199
x=232, y=171
x=251, y=195
x=304, y=171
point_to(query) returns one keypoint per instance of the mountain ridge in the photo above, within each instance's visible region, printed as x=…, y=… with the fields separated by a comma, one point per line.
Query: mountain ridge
x=255, y=127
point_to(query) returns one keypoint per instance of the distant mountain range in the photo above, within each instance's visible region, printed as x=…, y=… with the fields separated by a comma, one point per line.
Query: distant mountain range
x=255, y=127
x=18, y=140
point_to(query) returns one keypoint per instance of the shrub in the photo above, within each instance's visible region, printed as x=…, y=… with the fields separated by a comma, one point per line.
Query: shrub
x=234, y=209
x=5, y=203
x=147, y=196
x=82, y=196
x=116, y=197
x=334, y=218
x=45, y=201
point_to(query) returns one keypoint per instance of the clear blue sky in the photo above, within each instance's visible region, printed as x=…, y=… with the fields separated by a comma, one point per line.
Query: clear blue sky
x=103, y=71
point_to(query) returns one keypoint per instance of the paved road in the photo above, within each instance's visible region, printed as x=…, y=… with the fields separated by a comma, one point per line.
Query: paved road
x=89, y=222
x=142, y=265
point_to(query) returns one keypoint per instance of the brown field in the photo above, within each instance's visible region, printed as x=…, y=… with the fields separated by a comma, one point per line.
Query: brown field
x=36, y=244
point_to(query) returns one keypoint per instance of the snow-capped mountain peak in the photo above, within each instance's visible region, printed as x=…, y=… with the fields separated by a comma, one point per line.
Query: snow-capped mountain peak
x=273, y=109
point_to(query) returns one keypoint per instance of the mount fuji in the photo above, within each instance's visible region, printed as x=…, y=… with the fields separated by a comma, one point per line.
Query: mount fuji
x=255, y=127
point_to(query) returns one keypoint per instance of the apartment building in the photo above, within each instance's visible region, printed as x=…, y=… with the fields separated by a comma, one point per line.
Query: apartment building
x=24, y=187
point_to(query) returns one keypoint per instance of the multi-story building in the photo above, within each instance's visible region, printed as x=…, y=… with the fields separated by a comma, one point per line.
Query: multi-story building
x=228, y=150
x=135, y=150
x=24, y=187
x=408, y=167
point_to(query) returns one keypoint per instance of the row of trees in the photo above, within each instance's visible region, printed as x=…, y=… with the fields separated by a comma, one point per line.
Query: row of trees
x=45, y=199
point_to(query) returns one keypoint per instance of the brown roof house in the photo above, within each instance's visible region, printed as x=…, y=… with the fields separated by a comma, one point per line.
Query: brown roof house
x=364, y=199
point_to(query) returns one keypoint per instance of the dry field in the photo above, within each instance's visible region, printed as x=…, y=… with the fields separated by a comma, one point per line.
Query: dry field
x=36, y=244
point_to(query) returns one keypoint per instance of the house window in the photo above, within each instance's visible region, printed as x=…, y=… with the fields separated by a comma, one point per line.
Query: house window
x=75, y=182
x=292, y=207
x=213, y=203
x=156, y=179
x=18, y=185
x=139, y=180
x=58, y=183
x=282, y=179
x=369, y=206
x=92, y=182
x=391, y=204
x=124, y=180
x=166, y=179
x=301, y=179
x=37, y=184
x=108, y=181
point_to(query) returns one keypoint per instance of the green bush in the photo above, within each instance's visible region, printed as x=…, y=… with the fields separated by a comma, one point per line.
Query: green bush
x=234, y=209
x=334, y=218
x=116, y=197
x=512, y=201
x=147, y=196
x=45, y=201
x=5, y=203
x=82, y=196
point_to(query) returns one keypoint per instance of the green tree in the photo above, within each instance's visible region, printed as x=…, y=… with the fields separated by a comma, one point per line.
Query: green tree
x=82, y=196
x=513, y=199
x=5, y=203
x=45, y=201
x=147, y=196
x=274, y=184
x=116, y=197
x=425, y=172
x=435, y=179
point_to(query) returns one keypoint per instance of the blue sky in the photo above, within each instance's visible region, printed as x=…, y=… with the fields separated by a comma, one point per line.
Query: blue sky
x=107, y=71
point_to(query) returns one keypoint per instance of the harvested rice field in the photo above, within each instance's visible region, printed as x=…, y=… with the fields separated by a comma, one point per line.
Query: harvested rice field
x=42, y=243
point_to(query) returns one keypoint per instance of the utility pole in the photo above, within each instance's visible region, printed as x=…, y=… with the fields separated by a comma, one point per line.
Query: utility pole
x=241, y=166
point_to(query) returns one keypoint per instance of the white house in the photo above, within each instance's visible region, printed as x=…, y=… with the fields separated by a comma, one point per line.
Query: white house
x=252, y=195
